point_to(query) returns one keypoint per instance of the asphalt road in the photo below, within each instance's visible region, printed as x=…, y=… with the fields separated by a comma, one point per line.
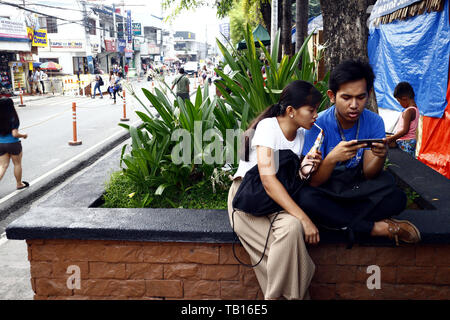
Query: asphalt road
x=48, y=123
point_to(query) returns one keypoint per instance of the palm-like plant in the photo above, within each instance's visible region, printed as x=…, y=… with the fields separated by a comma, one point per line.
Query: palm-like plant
x=250, y=93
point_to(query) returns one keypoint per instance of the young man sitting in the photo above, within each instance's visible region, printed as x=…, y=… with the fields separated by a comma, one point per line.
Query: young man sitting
x=350, y=190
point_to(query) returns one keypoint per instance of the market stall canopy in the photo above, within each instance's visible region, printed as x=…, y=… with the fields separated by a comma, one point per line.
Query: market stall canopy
x=314, y=24
x=258, y=33
x=50, y=66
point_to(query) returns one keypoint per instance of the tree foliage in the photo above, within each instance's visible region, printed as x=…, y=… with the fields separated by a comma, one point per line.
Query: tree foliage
x=243, y=12
x=223, y=6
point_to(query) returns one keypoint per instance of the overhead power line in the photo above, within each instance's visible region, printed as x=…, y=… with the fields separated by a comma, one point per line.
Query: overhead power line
x=78, y=22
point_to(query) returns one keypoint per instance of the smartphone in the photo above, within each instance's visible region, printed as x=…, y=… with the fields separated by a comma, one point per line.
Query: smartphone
x=369, y=141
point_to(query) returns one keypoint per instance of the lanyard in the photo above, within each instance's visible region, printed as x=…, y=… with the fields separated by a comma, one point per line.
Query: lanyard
x=353, y=162
x=341, y=131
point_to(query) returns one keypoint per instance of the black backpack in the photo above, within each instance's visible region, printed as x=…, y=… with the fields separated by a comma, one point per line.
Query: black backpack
x=251, y=197
x=100, y=82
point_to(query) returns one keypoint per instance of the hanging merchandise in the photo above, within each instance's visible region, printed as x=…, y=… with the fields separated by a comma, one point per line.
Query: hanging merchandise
x=5, y=74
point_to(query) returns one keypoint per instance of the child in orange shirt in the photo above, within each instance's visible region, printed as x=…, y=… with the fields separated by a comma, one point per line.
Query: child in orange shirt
x=405, y=131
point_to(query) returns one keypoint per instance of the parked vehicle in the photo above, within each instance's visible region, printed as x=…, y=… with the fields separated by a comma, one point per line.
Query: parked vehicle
x=191, y=67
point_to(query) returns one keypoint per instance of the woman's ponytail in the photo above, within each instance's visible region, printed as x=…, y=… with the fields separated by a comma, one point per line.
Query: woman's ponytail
x=271, y=111
x=298, y=93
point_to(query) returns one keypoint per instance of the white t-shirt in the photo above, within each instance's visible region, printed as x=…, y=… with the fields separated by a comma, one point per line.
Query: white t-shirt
x=269, y=134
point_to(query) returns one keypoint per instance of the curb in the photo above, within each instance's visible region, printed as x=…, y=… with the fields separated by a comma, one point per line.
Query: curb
x=33, y=192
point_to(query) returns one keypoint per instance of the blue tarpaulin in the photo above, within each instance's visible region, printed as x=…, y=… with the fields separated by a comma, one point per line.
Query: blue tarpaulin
x=384, y=7
x=416, y=50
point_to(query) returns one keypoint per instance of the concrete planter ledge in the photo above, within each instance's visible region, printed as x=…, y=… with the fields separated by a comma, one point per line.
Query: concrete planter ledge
x=187, y=254
x=75, y=220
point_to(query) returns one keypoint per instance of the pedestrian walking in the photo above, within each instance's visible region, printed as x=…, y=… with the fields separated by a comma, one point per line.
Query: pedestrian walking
x=117, y=86
x=10, y=145
x=30, y=81
x=112, y=79
x=42, y=77
x=36, y=81
x=98, y=83
x=182, y=84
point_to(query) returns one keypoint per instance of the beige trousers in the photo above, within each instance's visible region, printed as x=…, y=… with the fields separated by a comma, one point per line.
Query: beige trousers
x=286, y=269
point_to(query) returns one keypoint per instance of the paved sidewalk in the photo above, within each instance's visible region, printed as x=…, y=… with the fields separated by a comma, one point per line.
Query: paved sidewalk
x=15, y=275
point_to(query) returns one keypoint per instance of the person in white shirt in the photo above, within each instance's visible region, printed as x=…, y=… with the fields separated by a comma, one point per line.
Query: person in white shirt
x=285, y=269
x=36, y=81
x=42, y=78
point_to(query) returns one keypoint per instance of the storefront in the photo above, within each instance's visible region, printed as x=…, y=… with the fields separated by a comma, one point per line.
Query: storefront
x=13, y=40
x=108, y=55
x=5, y=71
x=71, y=54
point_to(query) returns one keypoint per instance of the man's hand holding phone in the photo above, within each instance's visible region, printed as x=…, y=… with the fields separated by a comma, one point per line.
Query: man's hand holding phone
x=377, y=146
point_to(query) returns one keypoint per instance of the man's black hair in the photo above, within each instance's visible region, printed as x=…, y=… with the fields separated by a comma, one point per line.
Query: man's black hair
x=181, y=70
x=404, y=89
x=348, y=71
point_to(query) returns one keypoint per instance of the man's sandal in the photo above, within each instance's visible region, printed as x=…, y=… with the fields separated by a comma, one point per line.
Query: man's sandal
x=402, y=230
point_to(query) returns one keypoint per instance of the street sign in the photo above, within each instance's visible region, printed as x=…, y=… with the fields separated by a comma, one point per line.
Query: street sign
x=129, y=30
x=137, y=28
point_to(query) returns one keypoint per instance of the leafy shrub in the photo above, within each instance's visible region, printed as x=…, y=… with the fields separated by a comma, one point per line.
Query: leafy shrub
x=250, y=93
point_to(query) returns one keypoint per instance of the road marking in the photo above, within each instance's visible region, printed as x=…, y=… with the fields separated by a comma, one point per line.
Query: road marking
x=34, y=182
x=3, y=238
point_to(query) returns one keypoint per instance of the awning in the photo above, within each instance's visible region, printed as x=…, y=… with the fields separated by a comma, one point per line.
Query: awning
x=258, y=33
x=15, y=46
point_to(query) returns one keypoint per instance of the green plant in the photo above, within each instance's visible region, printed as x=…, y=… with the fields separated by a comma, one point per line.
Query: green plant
x=150, y=163
x=411, y=196
x=122, y=192
x=250, y=93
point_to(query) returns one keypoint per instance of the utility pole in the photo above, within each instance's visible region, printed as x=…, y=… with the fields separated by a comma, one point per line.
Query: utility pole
x=114, y=21
x=274, y=23
x=86, y=30
x=206, y=41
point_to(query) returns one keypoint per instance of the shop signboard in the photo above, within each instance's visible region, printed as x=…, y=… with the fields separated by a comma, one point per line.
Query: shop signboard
x=13, y=30
x=144, y=49
x=95, y=47
x=129, y=29
x=66, y=45
x=129, y=51
x=90, y=62
x=110, y=46
x=25, y=57
x=137, y=28
x=153, y=49
x=136, y=45
x=122, y=45
x=40, y=38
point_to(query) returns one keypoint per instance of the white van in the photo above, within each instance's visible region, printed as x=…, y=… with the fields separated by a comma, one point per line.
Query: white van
x=190, y=67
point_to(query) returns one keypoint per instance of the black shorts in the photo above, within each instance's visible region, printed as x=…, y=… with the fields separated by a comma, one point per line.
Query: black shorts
x=14, y=148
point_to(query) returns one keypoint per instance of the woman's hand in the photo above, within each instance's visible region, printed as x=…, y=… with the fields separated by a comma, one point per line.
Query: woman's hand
x=310, y=163
x=311, y=231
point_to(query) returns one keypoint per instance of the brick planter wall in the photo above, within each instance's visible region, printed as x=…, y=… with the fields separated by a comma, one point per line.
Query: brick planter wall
x=140, y=270
x=179, y=270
